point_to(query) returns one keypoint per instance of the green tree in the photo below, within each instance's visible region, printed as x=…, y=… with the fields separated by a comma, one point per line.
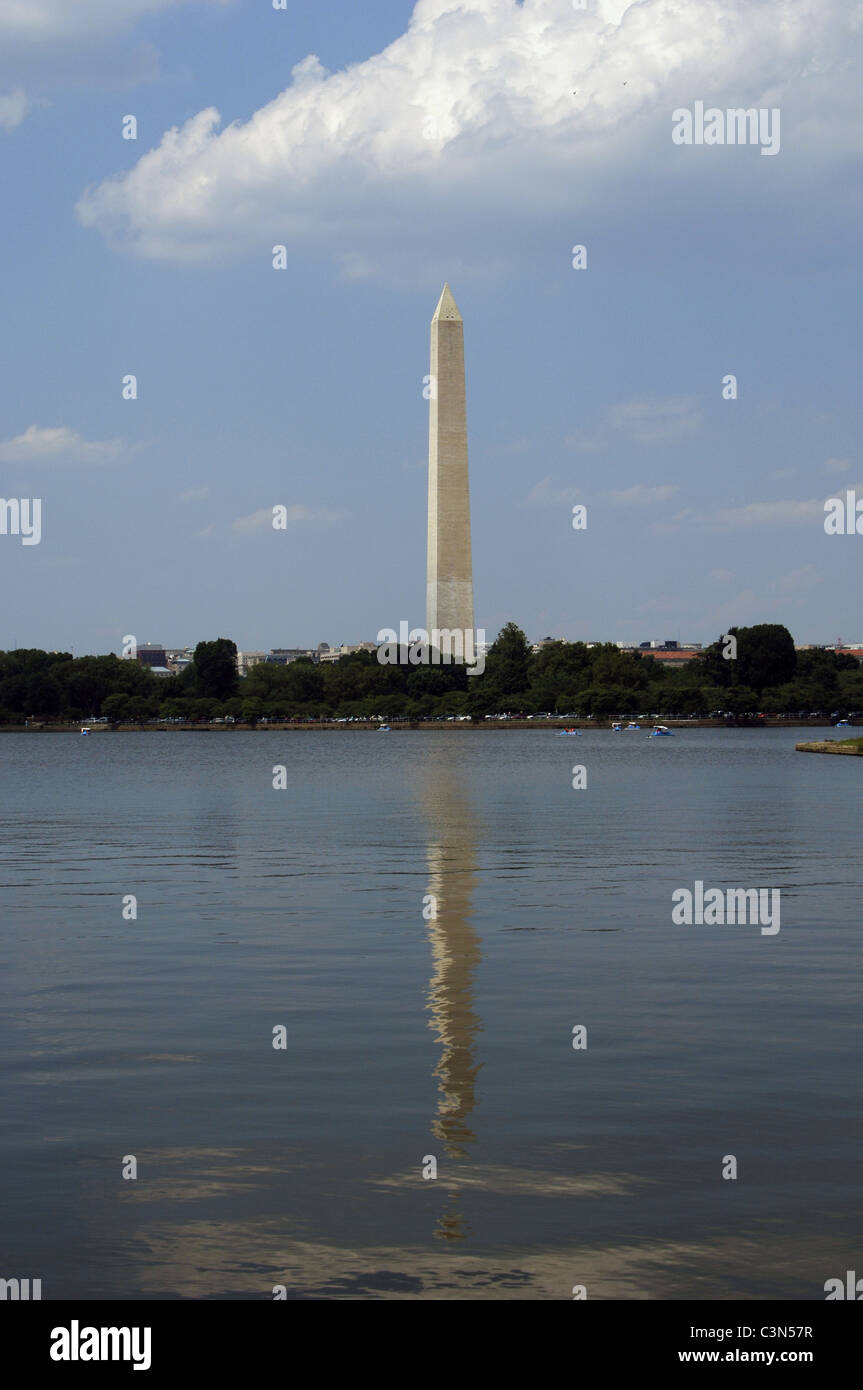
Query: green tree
x=483, y=698
x=851, y=688
x=174, y=709
x=740, y=699
x=608, y=701
x=44, y=694
x=765, y=657
x=204, y=708
x=303, y=682
x=507, y=663
x=116, y=708
x=216, y=669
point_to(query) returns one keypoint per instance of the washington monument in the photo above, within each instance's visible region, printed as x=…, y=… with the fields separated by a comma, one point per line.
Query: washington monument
x=449, y=588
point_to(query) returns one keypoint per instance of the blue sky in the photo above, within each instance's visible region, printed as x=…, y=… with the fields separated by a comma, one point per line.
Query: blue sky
x=390, y=147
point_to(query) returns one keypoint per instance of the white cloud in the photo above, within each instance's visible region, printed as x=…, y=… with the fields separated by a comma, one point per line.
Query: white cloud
x=655, y=420
x=13, y=108
x=645, y=420
x=586, y=444
x=495, y=108
x=785, y=513
x=194, y=494
x=60, y=444
x=796, y=581
x=296, y=514
x=544, y=495
x=641, y=496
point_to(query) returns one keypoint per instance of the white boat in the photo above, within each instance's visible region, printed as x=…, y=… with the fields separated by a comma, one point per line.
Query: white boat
x=661, y=731
x=384, y=729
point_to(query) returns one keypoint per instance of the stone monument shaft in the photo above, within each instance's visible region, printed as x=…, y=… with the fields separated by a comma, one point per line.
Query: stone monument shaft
x=449, y=589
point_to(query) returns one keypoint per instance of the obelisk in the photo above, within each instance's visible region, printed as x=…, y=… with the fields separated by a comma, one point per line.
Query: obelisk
x=449, y=588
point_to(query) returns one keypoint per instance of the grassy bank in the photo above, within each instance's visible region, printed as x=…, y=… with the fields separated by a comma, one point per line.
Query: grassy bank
x=852, y=746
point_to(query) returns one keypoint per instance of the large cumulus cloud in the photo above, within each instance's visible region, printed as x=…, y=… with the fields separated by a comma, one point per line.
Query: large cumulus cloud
x=490, y=118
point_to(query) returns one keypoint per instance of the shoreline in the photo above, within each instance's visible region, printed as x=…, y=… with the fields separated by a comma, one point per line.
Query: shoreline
x=433, y=726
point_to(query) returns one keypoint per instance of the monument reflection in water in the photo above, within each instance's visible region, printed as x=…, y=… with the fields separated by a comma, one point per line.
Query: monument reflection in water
x=455, y=948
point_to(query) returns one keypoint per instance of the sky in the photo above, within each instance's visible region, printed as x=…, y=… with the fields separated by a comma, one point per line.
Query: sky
x=389, y=147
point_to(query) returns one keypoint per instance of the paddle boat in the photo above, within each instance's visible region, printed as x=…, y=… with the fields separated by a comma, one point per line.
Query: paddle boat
x=631, y=726
x=384, y=729
x=85, y=731
x=842, y=724
x=616, y=728
x=661, y=731
x=571, y=733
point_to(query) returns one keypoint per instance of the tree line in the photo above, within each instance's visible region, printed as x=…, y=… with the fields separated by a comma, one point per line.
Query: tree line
x=765, y=676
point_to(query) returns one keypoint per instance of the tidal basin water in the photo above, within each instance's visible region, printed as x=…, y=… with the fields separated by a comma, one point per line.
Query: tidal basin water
x=409, y=1038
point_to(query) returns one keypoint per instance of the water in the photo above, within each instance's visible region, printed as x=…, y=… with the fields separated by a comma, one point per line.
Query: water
x=409, y=1038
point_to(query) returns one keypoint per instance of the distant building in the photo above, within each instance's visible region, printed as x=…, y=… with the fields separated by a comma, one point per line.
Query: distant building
x=277, y=656
x=151, y=655
x=178, y=658
x=160, y=671
x=246, y=660
x=283, y=656
x=335, y=653
x=667, y=646
x=678, y=656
